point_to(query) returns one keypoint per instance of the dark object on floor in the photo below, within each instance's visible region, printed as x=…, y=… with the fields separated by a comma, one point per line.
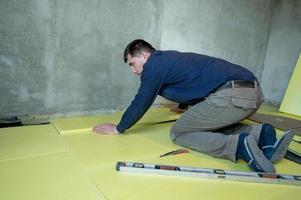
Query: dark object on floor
x=279, y=122
x=175, y=152
x=292, y=157
x=10, y=122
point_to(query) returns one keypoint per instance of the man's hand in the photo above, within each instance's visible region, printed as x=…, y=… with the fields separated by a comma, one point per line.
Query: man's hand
x=109, y=129
x=175, y=108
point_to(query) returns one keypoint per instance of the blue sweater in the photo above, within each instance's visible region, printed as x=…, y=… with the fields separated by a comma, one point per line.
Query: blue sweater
x=180, y=77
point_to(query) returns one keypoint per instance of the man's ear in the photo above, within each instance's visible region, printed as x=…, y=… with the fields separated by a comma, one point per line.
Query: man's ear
x=145, y=54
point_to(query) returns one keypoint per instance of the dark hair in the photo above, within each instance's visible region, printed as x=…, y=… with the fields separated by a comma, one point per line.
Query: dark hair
x=136, y=47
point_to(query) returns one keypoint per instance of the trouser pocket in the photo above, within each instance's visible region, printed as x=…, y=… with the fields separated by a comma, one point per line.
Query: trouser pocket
x=246, y=97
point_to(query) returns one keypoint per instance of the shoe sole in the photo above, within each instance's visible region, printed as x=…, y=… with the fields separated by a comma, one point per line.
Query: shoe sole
x=256, y=153
x=281, y=146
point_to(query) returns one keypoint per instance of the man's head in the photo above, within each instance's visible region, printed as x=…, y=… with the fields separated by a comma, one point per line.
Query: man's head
x=136, y=54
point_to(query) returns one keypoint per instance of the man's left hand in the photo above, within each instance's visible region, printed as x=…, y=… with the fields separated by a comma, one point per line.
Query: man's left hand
x=106, y=129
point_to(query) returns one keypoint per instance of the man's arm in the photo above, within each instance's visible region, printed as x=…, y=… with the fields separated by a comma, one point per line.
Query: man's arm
x=151, y=83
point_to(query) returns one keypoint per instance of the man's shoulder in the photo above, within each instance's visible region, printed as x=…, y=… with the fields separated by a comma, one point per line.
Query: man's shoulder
x=165, y=52
x=163, y=57
x=158, y=63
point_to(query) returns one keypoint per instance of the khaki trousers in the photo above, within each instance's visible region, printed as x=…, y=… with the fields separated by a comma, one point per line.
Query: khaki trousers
x=210, y=126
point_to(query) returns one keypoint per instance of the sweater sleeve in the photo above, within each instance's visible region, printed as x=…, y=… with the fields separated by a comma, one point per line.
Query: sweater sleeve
x=151, y=84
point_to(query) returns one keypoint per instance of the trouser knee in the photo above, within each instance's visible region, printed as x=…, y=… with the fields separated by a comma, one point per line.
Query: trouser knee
x=173, y=134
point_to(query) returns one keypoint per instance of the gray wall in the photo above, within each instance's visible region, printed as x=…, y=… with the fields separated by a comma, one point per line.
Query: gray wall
x=65, y=56
x=235, y=30
x=283, y=50
x=60, y=56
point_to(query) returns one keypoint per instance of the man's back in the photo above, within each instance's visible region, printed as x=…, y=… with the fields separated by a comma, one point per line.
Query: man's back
x=189, y=77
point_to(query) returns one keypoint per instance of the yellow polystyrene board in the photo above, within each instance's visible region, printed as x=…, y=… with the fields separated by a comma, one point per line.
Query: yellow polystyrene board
x=138, y=189
x=160, y=114
x=140, y=141
x=28, y=141
x=268, y=109
x=121, y=185
x=56, y=176
x=291, y=102
x=295, y=148
x=79, y=124
x=272, y=110
x=100, y=149
x=297, y=138
x=85, y=123
x=158, y=133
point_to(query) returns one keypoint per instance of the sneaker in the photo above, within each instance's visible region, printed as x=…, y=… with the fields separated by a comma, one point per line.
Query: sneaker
x=277, y=151
x=248, y=150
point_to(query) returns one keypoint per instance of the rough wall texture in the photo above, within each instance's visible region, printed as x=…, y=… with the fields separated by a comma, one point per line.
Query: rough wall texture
x=283, y=50
x=60, y=56
x=231, y=29
x=65, y=56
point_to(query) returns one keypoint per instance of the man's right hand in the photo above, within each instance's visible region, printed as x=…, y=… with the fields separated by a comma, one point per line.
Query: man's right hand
x=175, y=108
x=109, y=129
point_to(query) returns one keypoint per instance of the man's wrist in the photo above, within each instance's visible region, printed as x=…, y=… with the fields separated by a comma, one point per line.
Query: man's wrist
x=116, y=130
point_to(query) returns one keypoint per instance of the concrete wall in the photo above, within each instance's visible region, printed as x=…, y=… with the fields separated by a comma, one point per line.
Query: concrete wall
x=283, y=50
x=236, y=30
x=61, y=56
x=65, y=56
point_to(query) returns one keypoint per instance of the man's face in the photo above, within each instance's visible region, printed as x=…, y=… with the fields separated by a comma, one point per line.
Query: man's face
x=136, y=62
